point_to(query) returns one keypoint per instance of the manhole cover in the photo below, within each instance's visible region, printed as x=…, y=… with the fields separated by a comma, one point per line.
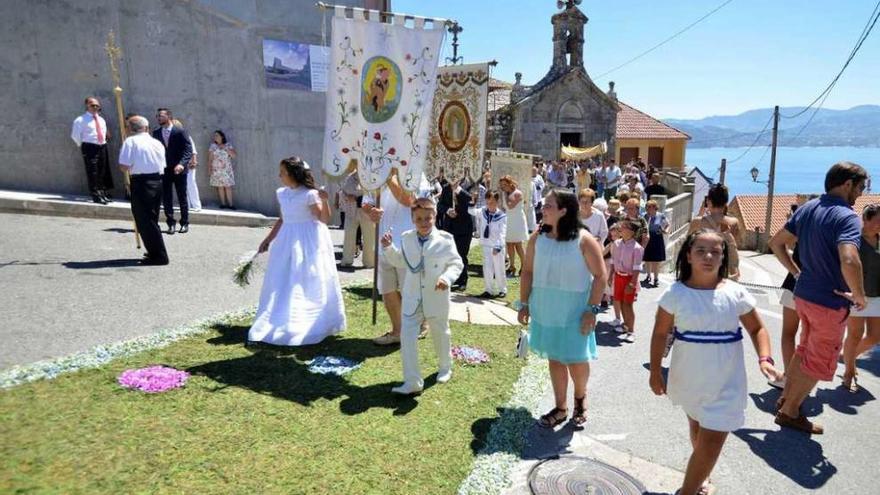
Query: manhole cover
x=579, y=476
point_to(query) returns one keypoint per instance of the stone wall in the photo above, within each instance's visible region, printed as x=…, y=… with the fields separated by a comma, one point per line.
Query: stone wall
x=537, y=124
x=201, y=58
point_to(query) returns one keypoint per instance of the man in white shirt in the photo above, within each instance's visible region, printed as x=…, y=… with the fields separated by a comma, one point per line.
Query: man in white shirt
x=537, y=192
x=144, y=158
x=612, y=180
x=89, y=132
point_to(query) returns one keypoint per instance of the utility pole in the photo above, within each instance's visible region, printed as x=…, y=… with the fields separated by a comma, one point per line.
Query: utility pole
x=723, y=170
x=770, y=180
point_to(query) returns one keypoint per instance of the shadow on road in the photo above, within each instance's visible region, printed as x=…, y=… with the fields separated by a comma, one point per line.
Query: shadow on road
x=99, y=264
x=791, y=453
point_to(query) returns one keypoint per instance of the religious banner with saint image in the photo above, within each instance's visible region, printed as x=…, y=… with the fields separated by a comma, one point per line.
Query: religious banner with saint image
x=381, y=84
x=458, y=123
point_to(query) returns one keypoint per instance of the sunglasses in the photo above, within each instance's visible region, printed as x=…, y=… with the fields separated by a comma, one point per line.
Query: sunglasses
x=92, y=105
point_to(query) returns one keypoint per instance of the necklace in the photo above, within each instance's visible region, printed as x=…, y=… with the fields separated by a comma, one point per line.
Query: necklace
x=420, y=267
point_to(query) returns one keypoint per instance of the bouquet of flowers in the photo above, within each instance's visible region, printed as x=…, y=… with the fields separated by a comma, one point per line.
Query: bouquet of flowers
x=245, y=268
x=469, y=355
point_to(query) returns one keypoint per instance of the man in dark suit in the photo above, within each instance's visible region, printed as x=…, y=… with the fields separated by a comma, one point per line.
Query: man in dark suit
x=453, y=207
x=178, y=153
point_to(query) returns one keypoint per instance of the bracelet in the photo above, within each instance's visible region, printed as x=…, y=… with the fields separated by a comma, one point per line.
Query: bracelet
x=519, y=305
x=766, y=359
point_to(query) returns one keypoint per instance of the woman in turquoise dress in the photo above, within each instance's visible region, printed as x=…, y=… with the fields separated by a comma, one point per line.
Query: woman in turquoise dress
x=563, y=277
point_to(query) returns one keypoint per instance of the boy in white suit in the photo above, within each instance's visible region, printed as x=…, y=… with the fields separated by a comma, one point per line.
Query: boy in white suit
x=431, y=264
x=492, y=232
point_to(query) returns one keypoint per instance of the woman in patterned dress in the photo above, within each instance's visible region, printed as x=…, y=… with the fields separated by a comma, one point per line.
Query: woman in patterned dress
x=220, y=156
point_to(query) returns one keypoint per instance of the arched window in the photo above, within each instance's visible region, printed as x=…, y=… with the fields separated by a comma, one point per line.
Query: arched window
x=570, y=113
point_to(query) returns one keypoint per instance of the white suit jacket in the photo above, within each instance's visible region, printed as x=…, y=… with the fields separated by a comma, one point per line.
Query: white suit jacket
x=425, y=264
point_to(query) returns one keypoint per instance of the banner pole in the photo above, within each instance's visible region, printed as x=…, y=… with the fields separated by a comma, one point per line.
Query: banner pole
x=375, y=295
x=114, y=52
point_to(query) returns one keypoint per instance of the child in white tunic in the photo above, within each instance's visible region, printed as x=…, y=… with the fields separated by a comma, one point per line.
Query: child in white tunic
x=492, y=232
x=301, y=300
x=707, y=375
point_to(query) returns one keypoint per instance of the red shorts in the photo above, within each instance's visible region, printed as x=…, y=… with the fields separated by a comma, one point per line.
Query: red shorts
x=822, y=331
x=620, y=283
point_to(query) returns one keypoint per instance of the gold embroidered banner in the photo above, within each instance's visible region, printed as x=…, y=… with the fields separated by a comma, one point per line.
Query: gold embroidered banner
x=457, y=136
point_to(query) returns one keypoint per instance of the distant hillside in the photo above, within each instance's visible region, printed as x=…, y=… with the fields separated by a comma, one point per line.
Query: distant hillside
x=858, y=126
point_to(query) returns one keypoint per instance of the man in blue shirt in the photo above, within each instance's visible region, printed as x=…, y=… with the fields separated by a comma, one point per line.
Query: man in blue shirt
x=829, y=281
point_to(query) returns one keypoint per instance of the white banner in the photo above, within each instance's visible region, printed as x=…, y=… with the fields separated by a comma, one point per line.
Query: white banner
x=458, y=121
x=381, y=88
x=518, y=166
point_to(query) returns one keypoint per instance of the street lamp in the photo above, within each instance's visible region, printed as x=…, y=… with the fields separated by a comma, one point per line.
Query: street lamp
x=754, y=171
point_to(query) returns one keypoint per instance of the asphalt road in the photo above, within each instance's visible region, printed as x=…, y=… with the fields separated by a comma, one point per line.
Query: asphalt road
x=68, y=284
x=626, y=420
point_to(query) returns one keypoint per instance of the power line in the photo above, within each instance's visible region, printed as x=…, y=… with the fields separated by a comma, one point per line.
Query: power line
x=726, y=138
x=821, y=103
x=667, y=40
x=866, y=31
x=757, y=138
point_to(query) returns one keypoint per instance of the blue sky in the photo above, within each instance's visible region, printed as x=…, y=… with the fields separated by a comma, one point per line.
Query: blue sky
x=750, y=54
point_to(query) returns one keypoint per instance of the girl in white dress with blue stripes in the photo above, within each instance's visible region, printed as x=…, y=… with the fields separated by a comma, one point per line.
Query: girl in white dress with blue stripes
x=707, y=374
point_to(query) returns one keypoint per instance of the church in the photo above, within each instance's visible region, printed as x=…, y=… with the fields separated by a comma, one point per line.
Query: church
x=566, y=108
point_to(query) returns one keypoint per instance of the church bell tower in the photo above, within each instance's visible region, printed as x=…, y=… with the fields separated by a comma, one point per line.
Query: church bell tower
x=568, y=35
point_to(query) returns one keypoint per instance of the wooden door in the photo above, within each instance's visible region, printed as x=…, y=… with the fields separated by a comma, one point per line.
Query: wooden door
x=655, y=156
x=628, y=155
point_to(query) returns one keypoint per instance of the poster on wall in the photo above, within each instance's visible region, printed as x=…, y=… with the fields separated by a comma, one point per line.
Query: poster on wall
x=293, y=65
x=380, y=91
x=458, y=122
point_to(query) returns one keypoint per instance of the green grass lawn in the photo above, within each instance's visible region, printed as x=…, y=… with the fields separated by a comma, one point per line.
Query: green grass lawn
x=254, y=420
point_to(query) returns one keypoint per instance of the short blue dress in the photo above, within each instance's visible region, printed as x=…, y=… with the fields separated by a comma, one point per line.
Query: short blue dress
x=561, y=286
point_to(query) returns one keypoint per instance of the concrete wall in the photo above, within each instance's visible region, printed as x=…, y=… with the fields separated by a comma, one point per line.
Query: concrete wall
x=201, y=58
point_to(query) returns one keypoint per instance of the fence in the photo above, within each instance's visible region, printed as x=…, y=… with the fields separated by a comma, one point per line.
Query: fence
x=678, y=210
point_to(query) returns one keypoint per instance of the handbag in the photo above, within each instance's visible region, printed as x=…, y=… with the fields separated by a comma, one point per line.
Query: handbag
x=522, y=344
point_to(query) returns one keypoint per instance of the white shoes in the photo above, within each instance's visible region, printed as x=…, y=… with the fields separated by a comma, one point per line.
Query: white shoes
x=615, y=322
x=630, y=337
x=444, y=376
x=407, y=389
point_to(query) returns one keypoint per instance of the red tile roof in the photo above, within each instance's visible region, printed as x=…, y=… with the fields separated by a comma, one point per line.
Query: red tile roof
x=752, y=208
x=635, y=124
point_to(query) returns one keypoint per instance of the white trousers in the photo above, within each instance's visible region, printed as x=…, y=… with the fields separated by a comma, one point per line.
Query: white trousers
x=494, y=277
x=409, y=338
x=368, y=237
x=349, y=243
x=531, y=219
x=192, y=190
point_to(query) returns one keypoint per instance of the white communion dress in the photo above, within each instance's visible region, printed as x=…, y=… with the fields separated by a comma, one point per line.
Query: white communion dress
x=301, y=299
x=707, y=375
x=517, y=229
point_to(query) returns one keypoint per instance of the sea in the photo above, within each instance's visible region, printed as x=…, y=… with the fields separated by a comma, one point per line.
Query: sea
x=798, y=170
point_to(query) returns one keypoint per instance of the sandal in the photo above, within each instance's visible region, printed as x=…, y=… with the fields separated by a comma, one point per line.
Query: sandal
x=707, y=489
x=851, y=385
x=579, y=415
x=551, y=419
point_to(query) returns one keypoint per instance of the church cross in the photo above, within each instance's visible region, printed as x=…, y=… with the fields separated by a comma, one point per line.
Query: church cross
x=567, y=4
